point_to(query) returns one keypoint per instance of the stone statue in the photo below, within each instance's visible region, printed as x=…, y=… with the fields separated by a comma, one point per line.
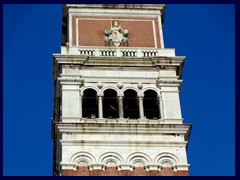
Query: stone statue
x=116, y=35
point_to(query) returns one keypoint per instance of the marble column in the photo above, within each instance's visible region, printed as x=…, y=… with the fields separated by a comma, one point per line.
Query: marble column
x=140, y=103
x=100, y=107
x=120, y=106
x=80, y=105
x=161, y=116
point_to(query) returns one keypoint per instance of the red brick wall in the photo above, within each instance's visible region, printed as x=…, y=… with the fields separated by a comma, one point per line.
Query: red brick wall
x=112, y=171
x=90, y=31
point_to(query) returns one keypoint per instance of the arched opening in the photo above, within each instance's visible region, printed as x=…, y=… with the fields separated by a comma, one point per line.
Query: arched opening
x=151, y=105
x=110, y=105
x=89, y=104
x=130, y=104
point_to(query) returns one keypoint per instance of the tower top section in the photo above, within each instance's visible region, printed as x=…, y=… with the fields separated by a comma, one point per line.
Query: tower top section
x=113, y=25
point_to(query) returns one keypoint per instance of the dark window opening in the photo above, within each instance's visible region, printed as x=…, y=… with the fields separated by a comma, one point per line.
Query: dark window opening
x=130, y=104
x=151, y=105
x=110, y=104
x=89, y=104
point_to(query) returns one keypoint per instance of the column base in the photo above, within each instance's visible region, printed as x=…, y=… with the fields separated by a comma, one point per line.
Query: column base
x=143, y=120
x=101, y=120
x=122, y=120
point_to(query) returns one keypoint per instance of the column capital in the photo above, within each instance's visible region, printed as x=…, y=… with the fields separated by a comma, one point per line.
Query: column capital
x=81, y=95
x=100, y=94
x=140, y=95
x=159, y=96
x=120, y=95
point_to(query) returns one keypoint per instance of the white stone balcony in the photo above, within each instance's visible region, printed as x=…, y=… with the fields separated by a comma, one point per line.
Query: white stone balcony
x=117, y=52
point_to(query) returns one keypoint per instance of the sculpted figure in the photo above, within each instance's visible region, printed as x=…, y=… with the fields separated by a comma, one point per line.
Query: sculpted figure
x=116, y=35
x=125, y=37
x=106, y=37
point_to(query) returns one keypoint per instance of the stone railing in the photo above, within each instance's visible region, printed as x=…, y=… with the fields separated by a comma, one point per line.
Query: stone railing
x=118, y=52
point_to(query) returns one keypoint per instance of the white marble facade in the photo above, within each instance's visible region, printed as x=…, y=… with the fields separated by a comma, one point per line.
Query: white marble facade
x=86, y=141
x=98, y=141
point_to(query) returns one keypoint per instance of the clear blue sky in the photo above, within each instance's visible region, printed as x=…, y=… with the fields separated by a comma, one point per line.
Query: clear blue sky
x=203, y=33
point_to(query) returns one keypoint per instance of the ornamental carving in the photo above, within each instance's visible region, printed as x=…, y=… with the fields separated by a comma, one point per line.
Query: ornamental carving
x=99, y=85
x=116, y=35
x=111, y=162
x=83, y=162
x=139, y=163
x=166, y=163
x=120, y=85
x=140, y=86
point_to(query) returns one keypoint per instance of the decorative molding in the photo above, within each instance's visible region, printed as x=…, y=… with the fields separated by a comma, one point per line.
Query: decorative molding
x=109, y=156
x=139, y=162
x=83, y=161
x=111, y=162
x=107, y=86
x=166, y=163
x=139, y=155
x=97, y=167
x=67, y=166
x=153, y=167
x=151, y=88
x=125, y=13
x=81, y=157
x=166, y=159
x=113, y=159
x=182, y=167
x=99, y=143
x=158, y=7
x=125, y=167
x=123, y=128
x=78, y=119
x=82, y=89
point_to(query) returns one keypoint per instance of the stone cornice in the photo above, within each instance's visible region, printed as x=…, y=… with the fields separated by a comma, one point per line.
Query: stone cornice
x=124, y=143
x=123, y=128
x=70, y=59
x=163, y=63
x=118, y=6
x=126, y=167
x=168, y=83
x=110, y=9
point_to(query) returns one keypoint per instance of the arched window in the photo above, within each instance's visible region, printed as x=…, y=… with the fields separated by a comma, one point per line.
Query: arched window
x=151, y=105
x=130, y=104
x=89, y=104
x=110, y=104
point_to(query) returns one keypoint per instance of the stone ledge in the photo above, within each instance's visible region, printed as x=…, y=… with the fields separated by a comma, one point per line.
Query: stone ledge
x=125, y=167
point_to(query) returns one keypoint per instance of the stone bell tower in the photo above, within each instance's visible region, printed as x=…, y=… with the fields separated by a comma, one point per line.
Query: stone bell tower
x=116, y=94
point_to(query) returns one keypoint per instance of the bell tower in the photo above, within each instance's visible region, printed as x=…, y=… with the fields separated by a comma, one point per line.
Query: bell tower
x=116, y=94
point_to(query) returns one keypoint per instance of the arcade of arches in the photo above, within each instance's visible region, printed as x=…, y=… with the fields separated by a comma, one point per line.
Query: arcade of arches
x=129, y=105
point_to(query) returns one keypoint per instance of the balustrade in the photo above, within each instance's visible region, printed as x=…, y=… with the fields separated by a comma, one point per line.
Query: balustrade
x=117, y=52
